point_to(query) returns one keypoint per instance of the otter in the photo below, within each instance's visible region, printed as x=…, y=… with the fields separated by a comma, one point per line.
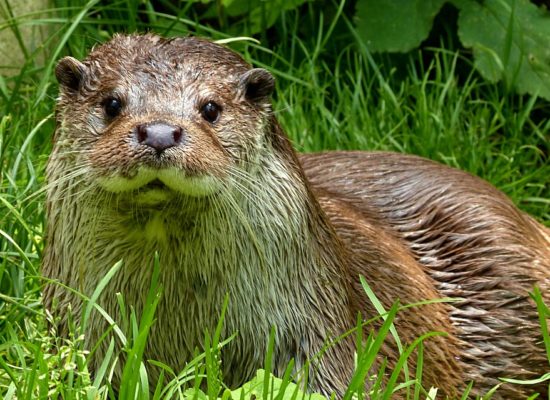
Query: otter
x=171, y=146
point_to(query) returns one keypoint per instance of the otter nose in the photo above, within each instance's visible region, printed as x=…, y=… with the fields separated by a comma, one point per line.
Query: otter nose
x=159, y=135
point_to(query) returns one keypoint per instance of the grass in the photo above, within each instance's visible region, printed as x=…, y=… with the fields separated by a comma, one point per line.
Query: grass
x=331, y=94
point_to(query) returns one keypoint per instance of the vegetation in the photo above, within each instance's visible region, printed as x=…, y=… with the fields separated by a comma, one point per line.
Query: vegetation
x=332, y=93
x=508, y=37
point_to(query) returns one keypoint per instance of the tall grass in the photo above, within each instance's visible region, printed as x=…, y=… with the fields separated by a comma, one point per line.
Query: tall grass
x=331, y=94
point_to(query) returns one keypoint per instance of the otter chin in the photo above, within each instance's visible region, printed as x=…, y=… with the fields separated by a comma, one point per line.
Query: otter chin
x=171, y=146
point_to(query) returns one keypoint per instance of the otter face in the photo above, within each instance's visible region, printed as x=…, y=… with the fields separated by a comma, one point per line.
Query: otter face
x=160, y=117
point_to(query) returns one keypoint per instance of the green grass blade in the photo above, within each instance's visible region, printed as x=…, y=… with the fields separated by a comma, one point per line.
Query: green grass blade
x=403, y=359
x=363, y=368
x=544, y=315
x=97, y=292
x=42, y=87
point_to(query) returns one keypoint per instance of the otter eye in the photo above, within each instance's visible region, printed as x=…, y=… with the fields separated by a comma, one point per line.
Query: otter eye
x=112, y=107
x=211, y=112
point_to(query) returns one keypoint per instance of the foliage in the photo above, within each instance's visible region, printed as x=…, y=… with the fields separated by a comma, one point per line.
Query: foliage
x=277, y=388
x=253, y=16
x=395, y=25
x=510, y=42
x=509, y=38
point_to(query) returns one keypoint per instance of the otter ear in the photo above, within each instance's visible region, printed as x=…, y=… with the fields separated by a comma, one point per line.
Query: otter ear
x=257, y=84
x=69, y=73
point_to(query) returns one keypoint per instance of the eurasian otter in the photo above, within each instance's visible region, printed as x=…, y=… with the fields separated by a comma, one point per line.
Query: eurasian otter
x=170, y=145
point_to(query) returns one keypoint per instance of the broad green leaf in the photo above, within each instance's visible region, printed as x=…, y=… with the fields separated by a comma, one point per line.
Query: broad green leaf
x=395, y=25
x=510, y=41
x=255, y=389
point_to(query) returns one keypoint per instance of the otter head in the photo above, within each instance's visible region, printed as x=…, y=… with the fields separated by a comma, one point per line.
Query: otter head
x=152, y=118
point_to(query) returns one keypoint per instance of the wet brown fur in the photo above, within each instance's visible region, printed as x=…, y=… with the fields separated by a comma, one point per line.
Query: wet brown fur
x=467, y=240
x=413, y=228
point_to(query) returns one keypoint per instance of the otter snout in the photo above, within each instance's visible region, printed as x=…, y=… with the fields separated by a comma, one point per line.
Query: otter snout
x=159, y=135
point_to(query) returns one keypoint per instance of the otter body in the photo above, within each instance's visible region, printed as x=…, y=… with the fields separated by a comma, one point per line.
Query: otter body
x=170, y=146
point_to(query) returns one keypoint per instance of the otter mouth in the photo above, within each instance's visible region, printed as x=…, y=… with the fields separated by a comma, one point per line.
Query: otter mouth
x=155, y=184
